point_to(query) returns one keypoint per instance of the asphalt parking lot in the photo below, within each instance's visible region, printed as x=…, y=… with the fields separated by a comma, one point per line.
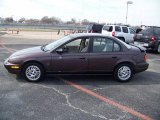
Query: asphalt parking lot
x=77, y=97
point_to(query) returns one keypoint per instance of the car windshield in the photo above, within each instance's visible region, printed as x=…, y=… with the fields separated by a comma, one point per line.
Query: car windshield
x=55, y=44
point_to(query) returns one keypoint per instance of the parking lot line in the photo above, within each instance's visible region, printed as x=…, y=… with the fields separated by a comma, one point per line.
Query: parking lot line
x=8, y=49
x=108, y=101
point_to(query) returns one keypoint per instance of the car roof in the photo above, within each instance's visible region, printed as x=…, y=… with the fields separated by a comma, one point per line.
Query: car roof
x=75, y=35
x=119, y=25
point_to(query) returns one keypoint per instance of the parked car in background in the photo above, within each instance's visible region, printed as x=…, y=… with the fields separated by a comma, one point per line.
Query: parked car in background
x=138, y=30
x=149, y=38
x=124, y=33
x=79, y=53
x=94, y=28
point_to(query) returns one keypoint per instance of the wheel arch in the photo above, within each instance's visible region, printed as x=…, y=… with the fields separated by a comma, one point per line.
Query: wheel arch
x=125, y=62
x=32, y=61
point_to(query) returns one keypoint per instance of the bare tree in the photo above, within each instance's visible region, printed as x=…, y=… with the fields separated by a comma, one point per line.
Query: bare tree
x=21, y=20
x=8, y=20
x=85, y=22
x=45, y=20
x=51, y=20
x=73, y=20
x=32, y=21
x=55, y=20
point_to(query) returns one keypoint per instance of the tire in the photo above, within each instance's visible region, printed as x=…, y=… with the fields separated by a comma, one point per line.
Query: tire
x=123, y=72
x=158, y=49
x=33, y=72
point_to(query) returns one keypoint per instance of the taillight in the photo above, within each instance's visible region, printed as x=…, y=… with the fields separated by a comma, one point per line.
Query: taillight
x=152, y=38
x=145, y=57
x=113, y=33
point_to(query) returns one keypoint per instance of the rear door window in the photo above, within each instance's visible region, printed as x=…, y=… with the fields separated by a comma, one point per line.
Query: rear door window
x=125, y=29
x=105, y=45
x=116, y=47
x=117, y=28
x=98, y=44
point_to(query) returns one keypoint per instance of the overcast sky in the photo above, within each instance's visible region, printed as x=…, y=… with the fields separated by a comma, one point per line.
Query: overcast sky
x=109, y=11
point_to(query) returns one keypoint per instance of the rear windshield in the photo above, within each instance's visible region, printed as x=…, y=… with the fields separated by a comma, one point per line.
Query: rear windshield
x=97, y=28
x=108, y=28
x=157, y=31
x=147, y=31
x=138, y=30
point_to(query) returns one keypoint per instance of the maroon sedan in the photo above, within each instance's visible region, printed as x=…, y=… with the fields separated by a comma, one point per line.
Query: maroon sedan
x=79, y=53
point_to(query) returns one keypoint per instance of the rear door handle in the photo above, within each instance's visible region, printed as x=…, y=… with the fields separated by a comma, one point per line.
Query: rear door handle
x=82, y=58
x=114, y=57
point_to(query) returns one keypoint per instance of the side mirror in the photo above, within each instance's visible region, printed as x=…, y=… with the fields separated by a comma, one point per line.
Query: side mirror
x=61, y=50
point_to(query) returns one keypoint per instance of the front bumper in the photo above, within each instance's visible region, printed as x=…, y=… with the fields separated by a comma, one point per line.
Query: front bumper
x=12, y=68
x=141, y=67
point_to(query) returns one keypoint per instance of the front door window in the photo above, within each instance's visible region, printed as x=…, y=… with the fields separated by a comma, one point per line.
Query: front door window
x=77, y=46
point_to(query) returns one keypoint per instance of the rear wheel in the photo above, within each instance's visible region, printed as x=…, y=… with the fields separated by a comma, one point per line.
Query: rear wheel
x=33, y=72
x=123, y=72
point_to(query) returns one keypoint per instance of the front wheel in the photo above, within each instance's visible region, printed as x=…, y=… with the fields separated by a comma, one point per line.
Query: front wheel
x=123, y=72
x=33, y=72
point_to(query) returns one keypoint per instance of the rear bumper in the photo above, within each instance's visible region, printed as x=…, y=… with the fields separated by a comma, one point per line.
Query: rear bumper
x=141, y=67
x=145, y=44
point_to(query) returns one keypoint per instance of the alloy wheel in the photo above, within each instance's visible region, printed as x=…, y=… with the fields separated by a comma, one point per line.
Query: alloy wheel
x=33, y=73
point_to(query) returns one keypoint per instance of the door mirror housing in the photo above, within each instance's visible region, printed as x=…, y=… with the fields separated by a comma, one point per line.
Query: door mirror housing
x=61, y=50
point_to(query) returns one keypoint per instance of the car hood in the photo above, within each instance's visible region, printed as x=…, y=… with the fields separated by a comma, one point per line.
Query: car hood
x=28, y=51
